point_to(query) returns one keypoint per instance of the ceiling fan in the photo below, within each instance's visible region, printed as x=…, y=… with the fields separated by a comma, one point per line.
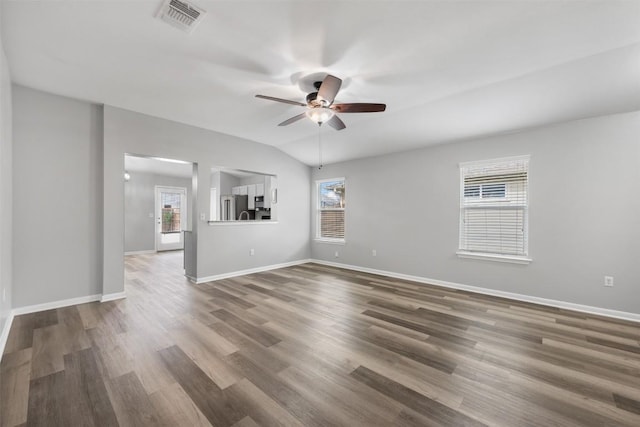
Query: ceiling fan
x=320, y=106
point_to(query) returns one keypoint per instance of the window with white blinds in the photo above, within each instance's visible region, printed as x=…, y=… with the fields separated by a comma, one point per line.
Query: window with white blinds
x=331, y=205
x=494, y=203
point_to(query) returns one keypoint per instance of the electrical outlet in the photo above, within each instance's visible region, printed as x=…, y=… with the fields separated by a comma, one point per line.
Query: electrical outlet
x=337, y=254
x=202, y=216
x=608, y=281
x=374, y=252
x=252, y=252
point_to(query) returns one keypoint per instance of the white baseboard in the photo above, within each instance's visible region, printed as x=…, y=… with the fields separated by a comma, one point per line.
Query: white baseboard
x=49, y=306
x=634, y=317
x=248, y=271
x=55, y=304
x=113, y=296
x=151, y=251
x=4, y=336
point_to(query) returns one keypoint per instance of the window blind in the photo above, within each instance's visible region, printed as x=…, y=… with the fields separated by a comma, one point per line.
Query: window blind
x=494, y=206
x=332, y=224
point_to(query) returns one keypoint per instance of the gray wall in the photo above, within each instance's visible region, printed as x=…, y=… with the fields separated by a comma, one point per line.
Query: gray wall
x=220, y=249
x=139, y=201
x=583, y=218
x=62, y=192
x=584, y=213
x=6, y=215
x=57, y=204
x=253, y=179
x=227, y=182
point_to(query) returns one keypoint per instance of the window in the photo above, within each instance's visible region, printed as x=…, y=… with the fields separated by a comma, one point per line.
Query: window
x=331, y=202
x=494, y=213
x=171, y=212
x=485, y=190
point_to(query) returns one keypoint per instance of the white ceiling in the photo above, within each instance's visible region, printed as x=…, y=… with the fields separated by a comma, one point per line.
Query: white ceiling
x=447, y=70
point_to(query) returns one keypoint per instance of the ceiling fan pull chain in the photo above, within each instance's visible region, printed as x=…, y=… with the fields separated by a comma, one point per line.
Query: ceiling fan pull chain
x=319, y=147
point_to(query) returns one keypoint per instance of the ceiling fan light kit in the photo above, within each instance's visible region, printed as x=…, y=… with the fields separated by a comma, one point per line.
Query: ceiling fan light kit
x=320, y=106
x=320, y=114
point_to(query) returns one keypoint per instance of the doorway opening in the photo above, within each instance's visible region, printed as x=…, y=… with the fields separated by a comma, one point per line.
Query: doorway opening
x=159, y=211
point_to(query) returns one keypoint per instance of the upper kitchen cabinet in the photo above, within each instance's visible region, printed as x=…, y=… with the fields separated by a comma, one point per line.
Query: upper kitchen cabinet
x=270, y=191
x=251, y=193
x=241, y=190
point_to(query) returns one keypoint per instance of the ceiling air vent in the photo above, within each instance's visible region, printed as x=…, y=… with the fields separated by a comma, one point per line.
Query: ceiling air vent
x=181, y=14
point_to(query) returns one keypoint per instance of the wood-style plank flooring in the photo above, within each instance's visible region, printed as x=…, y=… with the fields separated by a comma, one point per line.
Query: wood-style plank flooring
x=314, y=346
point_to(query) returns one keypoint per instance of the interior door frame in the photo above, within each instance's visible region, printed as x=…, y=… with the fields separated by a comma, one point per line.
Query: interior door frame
x=184, y=211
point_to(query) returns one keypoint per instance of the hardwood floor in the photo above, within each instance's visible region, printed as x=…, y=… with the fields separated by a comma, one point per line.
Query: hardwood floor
x=315, y=346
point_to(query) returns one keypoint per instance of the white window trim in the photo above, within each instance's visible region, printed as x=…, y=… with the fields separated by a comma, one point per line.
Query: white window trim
x=341, y=242
x=496, y=160
x=514, y=259
x=317, y=237
x=494, y=257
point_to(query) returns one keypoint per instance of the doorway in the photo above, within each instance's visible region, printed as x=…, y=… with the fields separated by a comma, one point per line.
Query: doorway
x=160, y=213
x=171, y=217
x=159, y=199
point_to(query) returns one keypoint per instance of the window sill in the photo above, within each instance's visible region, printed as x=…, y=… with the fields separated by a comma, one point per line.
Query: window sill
x=247, y=222
x=331, y=241
x=495, y=257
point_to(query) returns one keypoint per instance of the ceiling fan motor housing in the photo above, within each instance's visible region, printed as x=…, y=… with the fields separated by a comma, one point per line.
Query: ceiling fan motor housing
x=312, y=99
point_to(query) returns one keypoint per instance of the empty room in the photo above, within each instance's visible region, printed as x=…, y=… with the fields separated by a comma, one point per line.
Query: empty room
x=319, y=213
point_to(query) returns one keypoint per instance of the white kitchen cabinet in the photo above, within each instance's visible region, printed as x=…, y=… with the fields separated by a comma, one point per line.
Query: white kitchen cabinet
x=270, y=192
x=240, y=190
x=259, y=189
x=267, y=194
x=251, y=192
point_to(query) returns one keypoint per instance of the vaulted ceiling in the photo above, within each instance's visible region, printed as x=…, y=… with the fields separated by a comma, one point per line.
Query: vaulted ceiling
x=447, y=70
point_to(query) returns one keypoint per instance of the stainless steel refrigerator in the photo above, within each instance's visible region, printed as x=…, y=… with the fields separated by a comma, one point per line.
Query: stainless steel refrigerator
x=232, y=205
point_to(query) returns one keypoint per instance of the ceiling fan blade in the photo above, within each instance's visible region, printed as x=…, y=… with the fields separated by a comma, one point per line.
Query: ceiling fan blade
x=329, y=89
x=293, y=119
x=286, y=101
x=358, y=108
x=336, y=123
